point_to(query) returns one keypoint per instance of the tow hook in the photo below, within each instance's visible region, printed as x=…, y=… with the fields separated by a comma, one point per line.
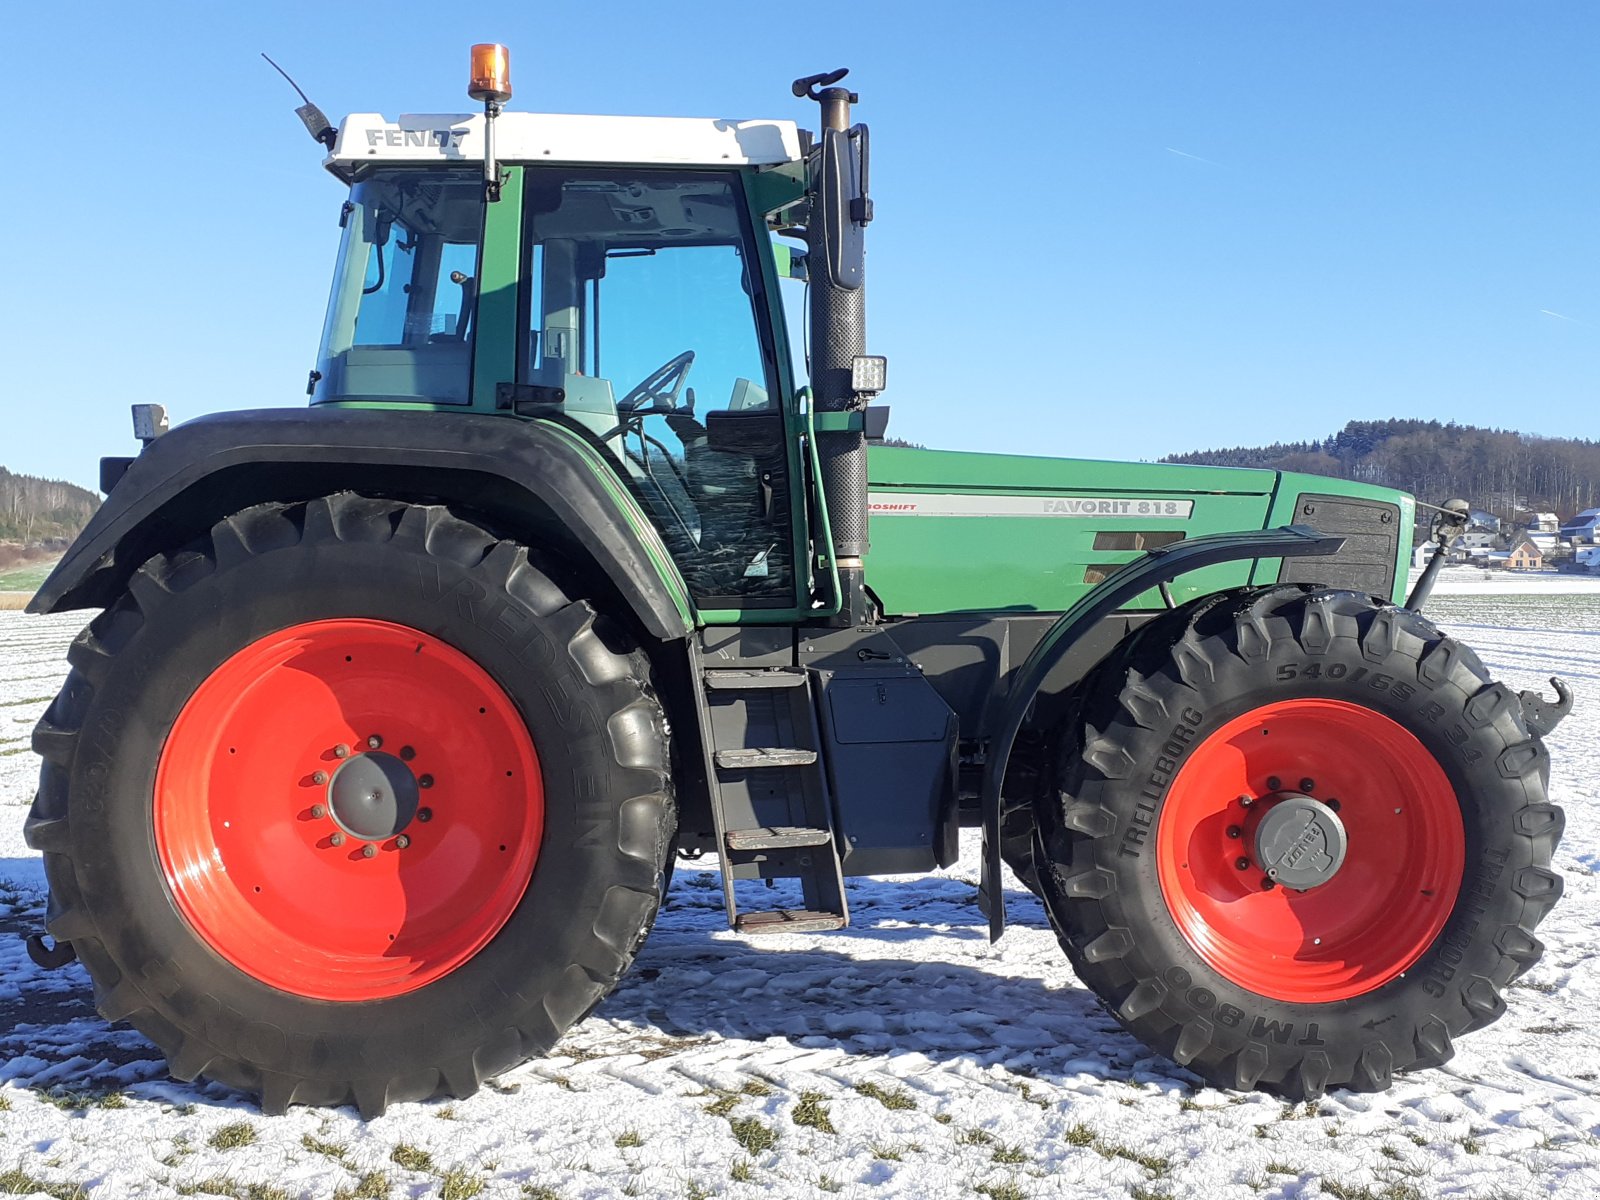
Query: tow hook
x=47, y=956
x=1544, y=715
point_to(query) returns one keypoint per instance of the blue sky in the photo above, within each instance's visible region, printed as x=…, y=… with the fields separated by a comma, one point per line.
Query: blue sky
x=1108, y=230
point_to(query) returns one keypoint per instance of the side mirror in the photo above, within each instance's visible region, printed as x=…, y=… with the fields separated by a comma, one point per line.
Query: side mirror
x=845, y=208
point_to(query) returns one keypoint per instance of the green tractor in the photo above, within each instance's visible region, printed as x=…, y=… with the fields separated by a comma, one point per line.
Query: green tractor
x=368, y=780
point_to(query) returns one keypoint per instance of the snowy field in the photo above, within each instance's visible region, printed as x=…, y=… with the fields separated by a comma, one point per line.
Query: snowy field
x=901, y=1057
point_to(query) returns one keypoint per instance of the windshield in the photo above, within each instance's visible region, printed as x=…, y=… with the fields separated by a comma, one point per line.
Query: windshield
x=400, y=319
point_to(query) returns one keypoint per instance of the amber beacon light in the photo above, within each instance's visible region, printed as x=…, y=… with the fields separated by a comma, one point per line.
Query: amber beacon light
x=491, y=73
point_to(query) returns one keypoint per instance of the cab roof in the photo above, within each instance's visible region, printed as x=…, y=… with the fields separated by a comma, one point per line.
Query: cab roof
x=519, y=137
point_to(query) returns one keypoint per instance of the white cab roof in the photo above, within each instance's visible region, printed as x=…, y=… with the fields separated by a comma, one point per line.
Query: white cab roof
x=559, y=138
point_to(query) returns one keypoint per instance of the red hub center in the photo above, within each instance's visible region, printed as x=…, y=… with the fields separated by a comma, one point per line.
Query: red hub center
x=1354, y=927
x=348, y=809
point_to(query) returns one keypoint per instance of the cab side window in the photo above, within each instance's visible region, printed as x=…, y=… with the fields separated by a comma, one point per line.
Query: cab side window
x=642, y=310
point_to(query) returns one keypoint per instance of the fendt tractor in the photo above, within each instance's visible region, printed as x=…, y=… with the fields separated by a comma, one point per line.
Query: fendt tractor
x=368, y=780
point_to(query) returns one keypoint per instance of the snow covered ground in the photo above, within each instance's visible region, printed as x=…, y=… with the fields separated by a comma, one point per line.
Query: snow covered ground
x=901, y=1057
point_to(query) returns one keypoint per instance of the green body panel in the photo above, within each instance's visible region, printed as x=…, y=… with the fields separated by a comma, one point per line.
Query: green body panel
x=1044, y=561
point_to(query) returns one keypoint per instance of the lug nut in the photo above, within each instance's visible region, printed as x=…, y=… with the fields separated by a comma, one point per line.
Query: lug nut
x=319, y=777
x=369, y=850
x=424, y=815
x=1308, y=785
x=1274, y=783
x=1268, y=884
x=1242, y=863
x=337, y=839
x=1234, y=831
x=1245, y=801
x=318, y=812
x=341, y=751
x=401, y=841
x=1332, y=803
x=407, y=753
x=425, y=781
x=374, y=742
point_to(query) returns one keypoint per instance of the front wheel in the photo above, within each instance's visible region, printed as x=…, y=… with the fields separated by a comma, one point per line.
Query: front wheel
x=352, y=801
x=1299, y=840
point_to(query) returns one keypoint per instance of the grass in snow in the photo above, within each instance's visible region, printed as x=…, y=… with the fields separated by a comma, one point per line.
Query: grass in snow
x=17, y=1182
x=233, y=1136
x=812, y=1113
x=411, y=1158
x=235, y=1191
x=897, y=1099
x=331, y=1150
x=755, y=1137
x=374, y=1185
x=1083, y=1136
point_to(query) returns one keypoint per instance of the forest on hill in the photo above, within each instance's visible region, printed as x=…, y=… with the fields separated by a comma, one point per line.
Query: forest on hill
x=1498, y=470
x=38, y=512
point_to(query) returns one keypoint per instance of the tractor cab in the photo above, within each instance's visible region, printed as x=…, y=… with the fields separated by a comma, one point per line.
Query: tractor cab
x=634, y=304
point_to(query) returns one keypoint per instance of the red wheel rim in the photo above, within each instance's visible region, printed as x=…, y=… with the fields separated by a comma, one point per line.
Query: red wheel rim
x=283, y=875
x=1377, y=914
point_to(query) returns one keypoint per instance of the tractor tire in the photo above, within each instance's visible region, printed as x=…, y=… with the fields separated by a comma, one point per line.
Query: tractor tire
x=1313, y=738
x=352, y=801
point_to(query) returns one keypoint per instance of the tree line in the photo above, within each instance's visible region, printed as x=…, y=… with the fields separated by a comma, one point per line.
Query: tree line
x=37, y=511
x=1499, y=470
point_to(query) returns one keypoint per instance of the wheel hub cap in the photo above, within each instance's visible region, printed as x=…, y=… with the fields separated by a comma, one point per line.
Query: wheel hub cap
x=1300, y=841
x=1320, y=892
x=310, y=857
x=373, y=796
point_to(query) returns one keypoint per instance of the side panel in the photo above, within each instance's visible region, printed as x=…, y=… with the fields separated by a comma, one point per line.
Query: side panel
x=955, y=532
x=530, y=478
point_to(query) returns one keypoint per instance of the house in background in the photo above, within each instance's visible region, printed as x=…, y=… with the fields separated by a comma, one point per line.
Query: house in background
x=1548, y=543
x=1524, y=555
x=1583, y=529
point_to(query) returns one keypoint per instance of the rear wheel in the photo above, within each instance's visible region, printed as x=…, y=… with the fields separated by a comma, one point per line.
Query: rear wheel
x=1299, y=840
x=352, y=801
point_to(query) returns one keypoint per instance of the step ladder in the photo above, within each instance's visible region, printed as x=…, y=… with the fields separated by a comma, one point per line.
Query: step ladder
x=769, y=793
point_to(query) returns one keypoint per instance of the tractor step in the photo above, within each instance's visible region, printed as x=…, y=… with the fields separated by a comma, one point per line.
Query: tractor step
x=770, y=824
x=764, y=756
x=739, y=680
x=788, y=920
x=777, y=839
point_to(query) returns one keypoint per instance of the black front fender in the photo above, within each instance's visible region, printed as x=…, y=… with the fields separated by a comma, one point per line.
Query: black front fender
x=535, y=479
x=1155, y=568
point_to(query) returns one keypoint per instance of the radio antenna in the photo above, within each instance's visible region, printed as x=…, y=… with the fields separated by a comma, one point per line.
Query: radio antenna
x=317, y=125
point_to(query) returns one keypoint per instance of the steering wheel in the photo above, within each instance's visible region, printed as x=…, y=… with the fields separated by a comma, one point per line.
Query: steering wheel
x=660, y=389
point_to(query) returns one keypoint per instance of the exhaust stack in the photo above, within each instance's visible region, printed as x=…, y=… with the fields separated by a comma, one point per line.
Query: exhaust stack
x=840, y=211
